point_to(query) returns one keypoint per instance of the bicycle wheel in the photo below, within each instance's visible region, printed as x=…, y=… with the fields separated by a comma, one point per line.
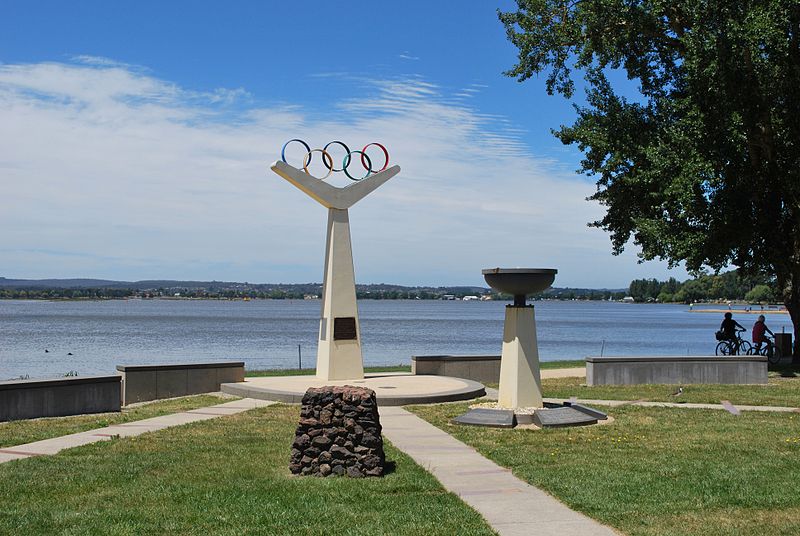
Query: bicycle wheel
x=724, y=348
x=774, y=357
x=744, y=348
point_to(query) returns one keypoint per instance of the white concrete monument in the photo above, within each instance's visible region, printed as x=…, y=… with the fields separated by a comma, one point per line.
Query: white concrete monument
x=520, y=380
x=339, y=351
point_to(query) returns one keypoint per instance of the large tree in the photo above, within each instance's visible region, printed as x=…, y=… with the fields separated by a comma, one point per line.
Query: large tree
x=702, y=166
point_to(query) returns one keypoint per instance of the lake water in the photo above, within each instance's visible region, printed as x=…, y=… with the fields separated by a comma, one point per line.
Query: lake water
x=265, y=333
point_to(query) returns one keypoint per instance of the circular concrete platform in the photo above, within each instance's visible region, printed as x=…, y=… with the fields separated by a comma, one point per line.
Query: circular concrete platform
x=391, y=389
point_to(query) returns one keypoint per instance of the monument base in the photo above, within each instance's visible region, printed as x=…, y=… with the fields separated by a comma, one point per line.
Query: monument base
x=391, y=389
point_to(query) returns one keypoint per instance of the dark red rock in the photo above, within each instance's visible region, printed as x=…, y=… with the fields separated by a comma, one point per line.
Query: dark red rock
x=371, y=441
x=321, y=442
x=301, y=441
x=371, y=461
x=378, y=471
x=338, y=470
x=339, y=452
x=354, y=472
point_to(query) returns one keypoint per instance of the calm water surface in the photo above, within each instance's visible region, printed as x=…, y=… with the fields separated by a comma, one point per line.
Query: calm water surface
x=265, y=333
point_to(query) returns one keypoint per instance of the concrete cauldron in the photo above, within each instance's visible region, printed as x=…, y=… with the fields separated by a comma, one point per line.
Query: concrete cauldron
x=520, y=380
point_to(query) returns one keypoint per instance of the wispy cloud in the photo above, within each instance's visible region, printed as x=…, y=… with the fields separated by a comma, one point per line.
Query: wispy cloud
x=407, y=56
x=138, y=177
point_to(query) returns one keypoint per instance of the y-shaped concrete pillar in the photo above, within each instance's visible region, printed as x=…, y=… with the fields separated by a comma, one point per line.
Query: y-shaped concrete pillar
x=339, y=350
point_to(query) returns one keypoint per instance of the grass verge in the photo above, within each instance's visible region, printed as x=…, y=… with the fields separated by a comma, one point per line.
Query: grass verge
x=656, y=471
x=395, y=368
x=780, y=391
x=228, y=476
x=572, y=363
x=27, y=431
x=311, y=371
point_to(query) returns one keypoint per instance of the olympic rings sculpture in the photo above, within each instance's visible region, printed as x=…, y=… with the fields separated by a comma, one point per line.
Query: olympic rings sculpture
x=327, y=159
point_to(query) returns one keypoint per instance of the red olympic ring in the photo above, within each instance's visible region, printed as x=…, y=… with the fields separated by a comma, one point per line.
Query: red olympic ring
x=385, y=154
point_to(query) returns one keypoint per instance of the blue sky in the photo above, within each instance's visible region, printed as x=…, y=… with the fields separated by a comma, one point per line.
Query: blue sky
x=136, y=136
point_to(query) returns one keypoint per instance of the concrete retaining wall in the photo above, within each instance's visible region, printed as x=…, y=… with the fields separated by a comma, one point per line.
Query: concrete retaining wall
x=480, y=368
x=152, y=382
x=675, y=370
x=30, y=399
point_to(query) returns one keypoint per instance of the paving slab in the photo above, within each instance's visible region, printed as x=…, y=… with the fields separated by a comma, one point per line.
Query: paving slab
x=510, y=505
x=48, y=447
x=686, y=405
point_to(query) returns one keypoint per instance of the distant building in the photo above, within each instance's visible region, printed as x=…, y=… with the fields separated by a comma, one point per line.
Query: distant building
x=628, y=299
x=470, y=298
x=448, y=297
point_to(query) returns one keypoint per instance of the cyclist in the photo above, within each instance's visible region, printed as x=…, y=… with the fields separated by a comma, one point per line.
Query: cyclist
x=729, y=327
x=759, y=328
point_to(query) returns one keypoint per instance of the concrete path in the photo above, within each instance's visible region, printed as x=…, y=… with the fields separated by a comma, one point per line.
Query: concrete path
x=572, y=372
x=509, y=505
x=491, y=394
x=54, y=445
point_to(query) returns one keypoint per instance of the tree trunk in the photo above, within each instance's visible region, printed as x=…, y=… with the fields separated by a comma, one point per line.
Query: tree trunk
x=794, y=313
x=789, y=289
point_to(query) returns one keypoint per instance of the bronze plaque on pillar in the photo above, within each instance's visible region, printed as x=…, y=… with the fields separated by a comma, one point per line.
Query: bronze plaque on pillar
x=344, y=328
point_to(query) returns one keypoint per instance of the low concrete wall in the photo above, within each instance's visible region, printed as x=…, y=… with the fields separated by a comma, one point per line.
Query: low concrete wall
x=675, y=370
x=152, y=382
x=30, y=399
x=480, y=368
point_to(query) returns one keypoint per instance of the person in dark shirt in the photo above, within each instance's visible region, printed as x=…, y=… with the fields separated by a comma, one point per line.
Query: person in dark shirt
x=729, y=327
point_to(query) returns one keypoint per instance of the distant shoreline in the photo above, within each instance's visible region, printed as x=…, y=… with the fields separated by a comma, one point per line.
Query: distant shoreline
x=742, y=311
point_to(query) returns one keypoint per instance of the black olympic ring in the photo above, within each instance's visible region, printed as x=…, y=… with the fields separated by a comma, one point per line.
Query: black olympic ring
x=347, y=160
x=327, y=159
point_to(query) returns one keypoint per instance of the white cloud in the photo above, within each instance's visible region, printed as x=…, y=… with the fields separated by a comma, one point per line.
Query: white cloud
x=107, y=171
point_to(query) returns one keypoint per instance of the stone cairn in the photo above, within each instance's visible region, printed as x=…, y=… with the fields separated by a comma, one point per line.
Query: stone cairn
x=339, y=434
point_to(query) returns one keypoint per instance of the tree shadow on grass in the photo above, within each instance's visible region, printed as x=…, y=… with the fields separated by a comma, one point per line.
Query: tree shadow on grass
x=389, y=468
x=786, y=371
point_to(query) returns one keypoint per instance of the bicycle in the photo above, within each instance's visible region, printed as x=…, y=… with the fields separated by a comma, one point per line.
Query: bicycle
x=769, y=350
x=737, y=346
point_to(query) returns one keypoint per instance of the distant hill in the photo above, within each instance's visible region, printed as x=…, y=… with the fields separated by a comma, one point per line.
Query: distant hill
x=171, y=286
x=105, y=283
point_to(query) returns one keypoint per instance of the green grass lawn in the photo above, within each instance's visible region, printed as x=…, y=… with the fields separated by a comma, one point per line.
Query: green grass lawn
x=780, y=391
x=228, y=476
x=544, y=365
x=658, y=471
x=395, y=368
x=27, y=431
x=311, y=371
